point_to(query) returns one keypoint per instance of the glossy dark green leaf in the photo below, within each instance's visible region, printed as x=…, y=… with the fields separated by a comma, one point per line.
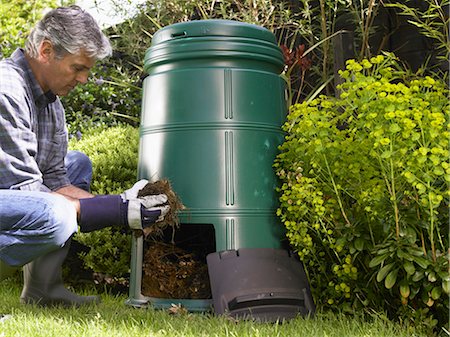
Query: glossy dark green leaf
x=377, y=260
x=359, y=244
x=383, y=251
x=436, y=293
x=409, y=267
x=418, y=275
x=422, y=262
x=432, y=277
x=405, y=256
x=404, y=289
x=391, y=278
x=412, y=235
x=414, y=251
x=384, y=271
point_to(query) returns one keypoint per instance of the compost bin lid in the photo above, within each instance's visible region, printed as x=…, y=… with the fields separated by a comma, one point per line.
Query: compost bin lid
x=208, y=41
x=213, y=27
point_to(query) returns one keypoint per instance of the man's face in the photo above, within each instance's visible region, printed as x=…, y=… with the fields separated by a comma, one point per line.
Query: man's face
x=61, y=75
x=65, y=73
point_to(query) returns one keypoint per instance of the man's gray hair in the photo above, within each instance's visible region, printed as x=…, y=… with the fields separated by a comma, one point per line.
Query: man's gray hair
x=70, y=30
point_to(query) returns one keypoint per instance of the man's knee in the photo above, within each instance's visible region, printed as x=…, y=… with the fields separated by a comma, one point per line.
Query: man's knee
x=79, y=159
x=79, y=169
x=62, y=220
x=33, y=224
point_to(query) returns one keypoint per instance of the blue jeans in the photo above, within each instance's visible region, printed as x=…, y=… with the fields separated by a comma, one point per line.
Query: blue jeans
x=79, y=169
x=35, y=223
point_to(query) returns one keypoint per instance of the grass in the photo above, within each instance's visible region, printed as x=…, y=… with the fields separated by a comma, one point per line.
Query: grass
x=112, y=318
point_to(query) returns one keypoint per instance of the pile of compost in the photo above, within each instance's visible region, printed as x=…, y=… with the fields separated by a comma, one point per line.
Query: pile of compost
x=168, y=270
x=172, y=272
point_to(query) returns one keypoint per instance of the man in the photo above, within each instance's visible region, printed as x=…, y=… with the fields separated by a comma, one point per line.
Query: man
x=43, y=189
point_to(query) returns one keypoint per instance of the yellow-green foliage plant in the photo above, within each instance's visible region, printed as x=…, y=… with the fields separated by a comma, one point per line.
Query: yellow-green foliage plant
x=364, y=192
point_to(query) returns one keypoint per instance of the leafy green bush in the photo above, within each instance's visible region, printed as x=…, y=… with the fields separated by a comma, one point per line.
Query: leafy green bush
x=16, y=19
x=365, y=192
x=114, y=155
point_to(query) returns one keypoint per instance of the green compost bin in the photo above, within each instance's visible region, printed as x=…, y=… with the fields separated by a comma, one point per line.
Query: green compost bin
x=212, y=108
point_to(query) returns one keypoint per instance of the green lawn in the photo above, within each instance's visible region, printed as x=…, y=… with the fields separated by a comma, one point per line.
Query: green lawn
x=112, y=318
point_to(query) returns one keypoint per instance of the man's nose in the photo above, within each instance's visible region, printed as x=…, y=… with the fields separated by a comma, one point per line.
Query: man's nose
x=82, y=77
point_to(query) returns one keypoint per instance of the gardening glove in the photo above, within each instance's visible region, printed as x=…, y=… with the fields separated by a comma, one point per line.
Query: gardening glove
x=126, y=210
x=143, y=210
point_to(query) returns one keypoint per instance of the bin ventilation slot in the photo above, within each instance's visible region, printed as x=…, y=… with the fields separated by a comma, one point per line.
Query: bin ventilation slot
x=180, y=34
x=237, y=304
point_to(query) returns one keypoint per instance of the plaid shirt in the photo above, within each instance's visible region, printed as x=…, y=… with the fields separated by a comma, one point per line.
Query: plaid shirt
x=33, y=133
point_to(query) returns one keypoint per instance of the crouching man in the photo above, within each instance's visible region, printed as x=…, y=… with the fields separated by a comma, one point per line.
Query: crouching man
x=44, y=190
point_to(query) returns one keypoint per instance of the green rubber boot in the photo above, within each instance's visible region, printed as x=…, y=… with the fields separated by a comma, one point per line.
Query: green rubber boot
x=6, y=270
x=43, y=284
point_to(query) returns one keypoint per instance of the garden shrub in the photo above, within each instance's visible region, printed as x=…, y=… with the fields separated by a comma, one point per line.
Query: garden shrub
x=16, y=19
x=365, y=192
x=114, y=155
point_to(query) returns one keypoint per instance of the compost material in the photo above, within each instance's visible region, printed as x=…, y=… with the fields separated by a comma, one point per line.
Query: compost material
x=171, y=218
x=169, y=271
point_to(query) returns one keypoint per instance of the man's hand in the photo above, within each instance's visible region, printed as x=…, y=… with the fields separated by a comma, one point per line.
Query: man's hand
x=144, y=211
x=126, y=210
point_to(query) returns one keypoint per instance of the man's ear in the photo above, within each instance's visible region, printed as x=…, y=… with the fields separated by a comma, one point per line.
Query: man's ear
x=46, y=51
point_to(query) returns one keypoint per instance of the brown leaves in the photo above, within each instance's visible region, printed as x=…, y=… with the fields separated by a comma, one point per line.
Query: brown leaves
x=296, y=57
